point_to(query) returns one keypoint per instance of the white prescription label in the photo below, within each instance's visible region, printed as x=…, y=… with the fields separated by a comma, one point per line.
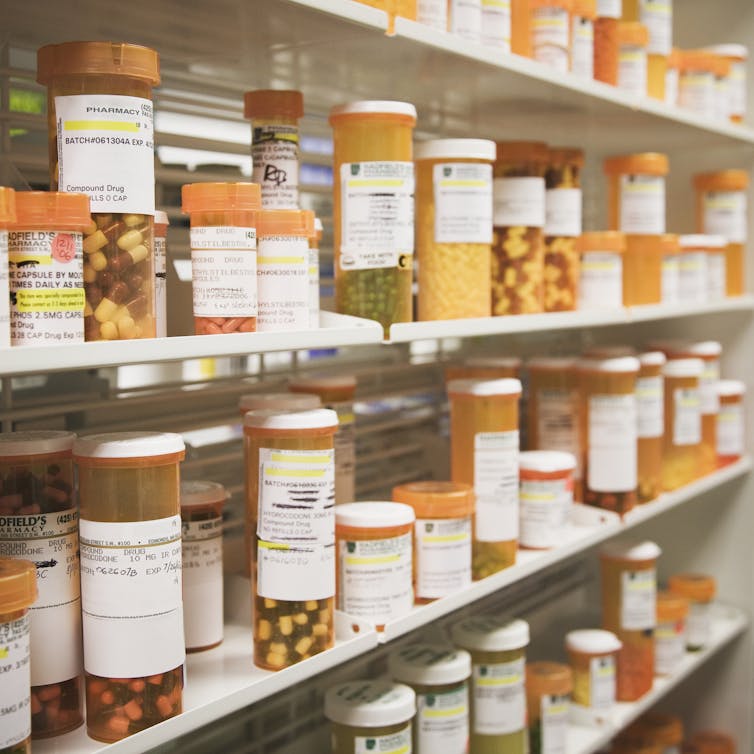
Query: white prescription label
x=563, y=212
x=609, y=8
x=657, y=16
x=708, y=397
x=15, y=697
x=463, y=202
x=443, y=553
x=519, y=201
x=601, y=280
x=313, y=288
x=496, y=485
x=602, y=682
x=545, y=504
x=671, y=87
x=582, y=47
x=698, y=625
x=283, y=283
x=557, y=422
x=692, y=277
x=294, y=572
x=377, y=224
x=442, y=721
x=550, y=30
x=433, y=13
x=106, y=150
x=650, y=397
x=496, y=24
x=392, y=743
x=46, y=287
x=730, y=429
x=638, y=602
x=274, y=154
x=670, y=283
x=466, y=19
x=554, y=710
x=632, y=70
x=642, y=204
x=375, y=578
x=716, y=284
x=50, y=541
x=202, y=546
x=131, y=596
x=696, y=92
x=724, y=214
x=670, y=647
x=499, y=698
x=737, y=88
x=612, y=435
x=687, y=417
x=224, y=271
x=160, y=286
x=4, y=292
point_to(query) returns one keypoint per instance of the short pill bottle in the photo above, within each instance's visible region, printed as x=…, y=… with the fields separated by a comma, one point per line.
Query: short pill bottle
x=700, y=591
x=562, y=228
x=730, y=431
x=713, y=742
x=314, y=241
x=636, y=192
x=223, y=240
x=370, y=716
x=665, y=731
x=283, y=269
x=113, y=80
x=650, y=405
x=39, y=518
x=374, y=548
x=518, y=253
x=202, y=550
x=657, y=18
x=548, y=701
x=440, y=678
x=521, y=28
x=606, y=41
x=633, y=39
x=161, y=223
x=682, y=452
x=18, y=591
x=374, y=252
x=672, y=76
x=454, y=227
x=274, y=116
x=7, y=217
x=721, y=209
x=629, y=610
x=583, y=16
x=293, y=580
x=337, y=392
x=545, y=496
x=737, y=56
x=696, y=83
x=670, y=272
x=442, y=536
x=129, y=493
x=670, y=633
x=609, y=432
x=484, y=443
x=47, y=296
x=550, y=25
x=601, y=269
x=593, y=656
x=484, y=368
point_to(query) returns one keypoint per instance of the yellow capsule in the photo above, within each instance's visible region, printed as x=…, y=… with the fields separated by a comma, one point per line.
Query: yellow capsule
x=264, y=630
x=126, y=328
x=269, y=604
x=91, y=228
x=132, y=221
x=275, y=660
x=319, y=629
x=98, y=261
x=286, y=625
x=304, y=644
x=105, y=311
x=311, y=605
x=90, y=274
x=94, y=242
x=108, y=330
x=300, y=619
x=129, y=239
x=139, y=253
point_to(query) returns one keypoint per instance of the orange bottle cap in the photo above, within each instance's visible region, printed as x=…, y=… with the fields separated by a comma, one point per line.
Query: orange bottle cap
x=97, y=58
x=431, y=499
x=220, y=197
x=659, y=729
x=671, y=607
x=713, y=742
x=602, y=240
x=584, y=8
x=670, y=243
x=7, y=205
x=722, y=180
x=264, y=103
x=161, y=220
x=548, y=678
x=566, y=156
x=18, y=585
x=694, y=586
x=633, y=33
x=52, y=209
x=644, y=163
x=674, y=59
x=286, y=222
x=522, y=151
x=696, y=60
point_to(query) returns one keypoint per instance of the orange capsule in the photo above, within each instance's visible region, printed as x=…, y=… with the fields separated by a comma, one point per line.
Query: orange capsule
x=107, y=697
x=155, y=680
x=164, y=706
x=137, y=685
x=119, y=724
x=133, y=710
x=47, y=693
x=96, y=687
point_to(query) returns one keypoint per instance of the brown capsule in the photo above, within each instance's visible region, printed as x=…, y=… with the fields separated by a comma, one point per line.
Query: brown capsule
x=135, y=281
x=105, y=279
x=118, y=292
x=137, y=306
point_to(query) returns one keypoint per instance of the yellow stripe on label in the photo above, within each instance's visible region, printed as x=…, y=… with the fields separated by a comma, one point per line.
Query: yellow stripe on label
x=3, y=652
x=541, y=497
x=475, y=184
x=447, y=538
x=272, y=546
x=17, y=257
x=100, y=125
x=280, y=260
x=435, y=713
x=346, y=418
x=372, y=561
x=309, y=473
x=498, y=681
x=376, y=183
x=50, y=300
x=283, y=458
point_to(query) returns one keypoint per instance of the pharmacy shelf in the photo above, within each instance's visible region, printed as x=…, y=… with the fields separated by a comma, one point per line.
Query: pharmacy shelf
x=727, y=624
x=335, y=330
x=406, y=332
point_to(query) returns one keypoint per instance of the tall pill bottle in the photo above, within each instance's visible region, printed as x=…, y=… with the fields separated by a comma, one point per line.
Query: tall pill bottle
x=593, y=656
x=39, y=520
x=289, y=455
x=629, y=609
x=699, y=589
x=374, y=234
x=498, y=676
x=584, y=14
x=670, y=633
x=129, y=494
x=465, y=19
x=548, y=700
x=521, y=28
x=696, y=83
x=7, y=216
x=672, y=77
x=633, y=38
x=730, y=430
x=484, y=443
x=657, y=17
x=496, y=25
x=93, y=90
x=650, y=405
x=609, y=13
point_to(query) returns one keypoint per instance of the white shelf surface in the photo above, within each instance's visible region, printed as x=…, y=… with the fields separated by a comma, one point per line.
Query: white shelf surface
x=727, y=624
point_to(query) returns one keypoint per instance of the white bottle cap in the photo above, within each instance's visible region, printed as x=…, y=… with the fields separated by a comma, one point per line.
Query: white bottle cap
x=128, y=445
x=593, y=641
x=632, y=551
x=370, y=704
x=317, y=418
x=491, y=634
x=546, y=461
x=683, y=368
x=371, y=515
x=455, y=149
x=429, y=665
x=485, y=388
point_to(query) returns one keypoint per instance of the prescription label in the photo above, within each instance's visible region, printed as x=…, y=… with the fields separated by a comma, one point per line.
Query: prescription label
x=563, y=212
x=442, y=721
x=392, y=743
x=50, y=541
x=612, y=447
x=4, y=292
x=160, y=286
x=295, y=572
x=670, y=647
x=554, y=710
x=314, y=288
x=737, y=89
x=642, y=204
x=632, y=71
x=496, y=24
x=496, y=485
x=463, y=202
x=602, y=682
x=696, y=92
x=345, y=453
x=557, y=422
x=518, y=201
x=687, y=419
x=131, y=596
x=609, y=8
x=601, y=281
x=730, y=429
x=15, y=697
x=650, y=400
x=582, y=47
x=545, y=504
x=443, y=551
x=638, y=600
x=274, y=153
x=375, y=578
x=692, y=277
x=106, y=150
x=466, y=19
x=657, y=16
x=283, y=283
x=46, y=282
x=433, y=13
x=377, y=215
x=710, y=402
x=550, y=27
x=670, y=282
x=224, y=271
x=716, y=276
x=499, y=698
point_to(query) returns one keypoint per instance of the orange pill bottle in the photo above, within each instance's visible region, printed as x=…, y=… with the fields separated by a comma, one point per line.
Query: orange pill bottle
x=730, y=421
x=7, y=216
x=651, y=414
x=713, y=742
x=548, y=700
x=606, y=41
x=484, y=368
x=670, y=634
x=636, y=192
x=700, y=591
